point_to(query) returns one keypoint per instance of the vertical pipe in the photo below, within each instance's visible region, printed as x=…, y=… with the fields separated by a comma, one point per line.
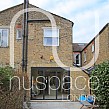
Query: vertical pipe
x=23, y=34
x=25, y=41
x=25, y=37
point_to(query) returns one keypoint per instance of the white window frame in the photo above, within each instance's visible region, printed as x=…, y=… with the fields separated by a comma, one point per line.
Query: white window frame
x=85, y=56
x=50, y=28
x=79, y=58
x=1, y=29
x=93, y=48
x=17, y=33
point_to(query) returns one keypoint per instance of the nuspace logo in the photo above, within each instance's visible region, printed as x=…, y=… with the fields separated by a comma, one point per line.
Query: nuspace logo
x=65, y=83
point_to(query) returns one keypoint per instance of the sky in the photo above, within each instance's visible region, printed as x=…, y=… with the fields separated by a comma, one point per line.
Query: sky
x=89, y=16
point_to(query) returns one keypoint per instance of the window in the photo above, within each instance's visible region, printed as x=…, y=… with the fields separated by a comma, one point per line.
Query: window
x=19, y=33
x=85, y=56
x=77, y=59
x=93, y=48
x=51, y=37
x=3, y=37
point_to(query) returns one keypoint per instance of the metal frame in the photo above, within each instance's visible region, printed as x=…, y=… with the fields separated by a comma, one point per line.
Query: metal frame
x=43, y=69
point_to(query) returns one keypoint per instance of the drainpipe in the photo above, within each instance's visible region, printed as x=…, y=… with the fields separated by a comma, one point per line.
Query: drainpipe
x=25, y=42
x=25, y=37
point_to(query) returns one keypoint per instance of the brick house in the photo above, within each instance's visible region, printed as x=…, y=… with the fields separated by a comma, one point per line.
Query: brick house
x=40, y=58
x=77, y=49
x=41, y=63
x=89, y=51
x=84, y=53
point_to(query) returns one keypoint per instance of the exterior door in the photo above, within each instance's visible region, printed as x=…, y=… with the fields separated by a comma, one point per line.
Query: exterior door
x=50, y=84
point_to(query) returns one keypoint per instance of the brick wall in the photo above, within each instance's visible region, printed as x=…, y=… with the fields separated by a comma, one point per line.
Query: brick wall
x=79, y=84
x=103, y=48
x=35, y=43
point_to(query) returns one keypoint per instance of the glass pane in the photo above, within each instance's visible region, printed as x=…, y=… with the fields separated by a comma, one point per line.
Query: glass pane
x=63, y=90
x=50, y=91
x=47, y=33
x=55, y=41
x=4, y=38
x=19, y=34
x=92, y=48
x=50, y=32
x=77, y=59
x=48, y=41
x=38, y=86
x=53, y=82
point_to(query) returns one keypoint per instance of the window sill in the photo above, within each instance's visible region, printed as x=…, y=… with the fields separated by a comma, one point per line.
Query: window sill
x=51, y=45
x=4, y=47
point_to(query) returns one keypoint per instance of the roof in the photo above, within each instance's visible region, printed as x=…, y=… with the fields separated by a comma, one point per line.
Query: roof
x=96, y=36
x=39, y=8
x=78, y=47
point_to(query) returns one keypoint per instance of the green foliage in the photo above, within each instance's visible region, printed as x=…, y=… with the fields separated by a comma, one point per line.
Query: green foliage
x=5, y=74
x=101, y=71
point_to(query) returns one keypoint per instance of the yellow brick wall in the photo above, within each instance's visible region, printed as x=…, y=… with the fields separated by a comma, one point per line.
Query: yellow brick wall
x=35, y=42
x=103, y=48
x=79, y=81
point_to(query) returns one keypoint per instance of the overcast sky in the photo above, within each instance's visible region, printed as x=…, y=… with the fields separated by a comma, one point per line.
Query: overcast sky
x=82, y=12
